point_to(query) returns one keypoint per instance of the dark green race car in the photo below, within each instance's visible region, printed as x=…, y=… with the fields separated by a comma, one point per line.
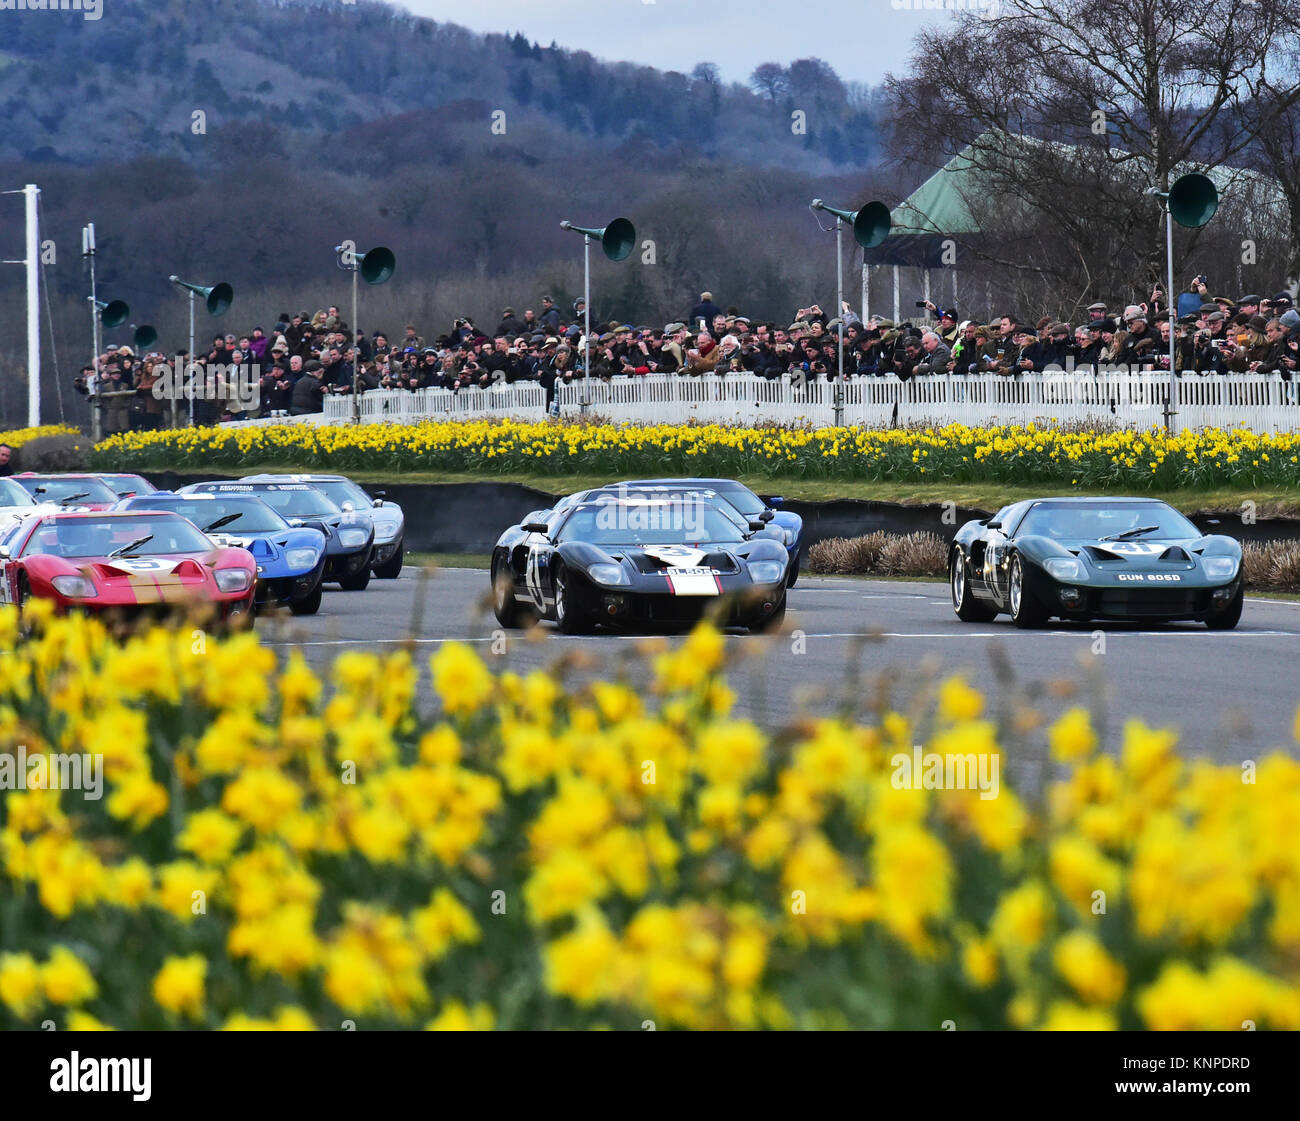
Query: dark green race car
x=1094, y=558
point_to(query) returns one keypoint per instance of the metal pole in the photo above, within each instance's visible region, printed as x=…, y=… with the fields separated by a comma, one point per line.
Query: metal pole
x=356, y=379
x=896, y=316
x=586, y=319
x=88, y=247
x=189, y=378
x=839, y=314
x=1169, y=299
x=866, y=292
x=33, y=307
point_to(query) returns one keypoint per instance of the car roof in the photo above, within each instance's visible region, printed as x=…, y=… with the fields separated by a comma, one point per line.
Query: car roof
x=295, y=477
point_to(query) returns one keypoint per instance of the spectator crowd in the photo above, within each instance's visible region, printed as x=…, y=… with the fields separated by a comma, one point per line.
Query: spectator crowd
x=304, y=358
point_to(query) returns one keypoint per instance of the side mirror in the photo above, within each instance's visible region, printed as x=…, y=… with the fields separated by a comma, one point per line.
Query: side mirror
x=994, y=524
x=766, y=516
x=536, y=527
x=381, y=494
x=754, y=527
x=378, y=502
x=776, y=500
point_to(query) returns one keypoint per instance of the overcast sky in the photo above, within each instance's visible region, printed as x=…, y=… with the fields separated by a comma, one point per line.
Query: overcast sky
x=862, y=39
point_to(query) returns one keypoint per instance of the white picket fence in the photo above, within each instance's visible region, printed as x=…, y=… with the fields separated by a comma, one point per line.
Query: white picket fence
x=522, y=401
x=1260, y=402
x=1263, y=403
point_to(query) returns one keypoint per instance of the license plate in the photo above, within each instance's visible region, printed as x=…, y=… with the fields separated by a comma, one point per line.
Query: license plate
x=692, y=582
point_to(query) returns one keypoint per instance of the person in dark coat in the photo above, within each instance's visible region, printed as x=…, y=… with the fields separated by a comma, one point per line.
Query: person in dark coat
x=706, y=309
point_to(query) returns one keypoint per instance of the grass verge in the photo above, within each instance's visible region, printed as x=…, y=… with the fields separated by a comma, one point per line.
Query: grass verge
x=1269, y=502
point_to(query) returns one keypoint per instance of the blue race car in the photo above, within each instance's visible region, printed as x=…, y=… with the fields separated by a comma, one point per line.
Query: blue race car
x=751, y=507
x=350, y=535
x=290, y=561
x=390, y=522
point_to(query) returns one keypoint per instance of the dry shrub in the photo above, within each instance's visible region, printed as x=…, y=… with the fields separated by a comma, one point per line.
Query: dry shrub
x=917, y=554
x=848, y=556
x=882, y=554
x=1284, y=571
x=1270, y=564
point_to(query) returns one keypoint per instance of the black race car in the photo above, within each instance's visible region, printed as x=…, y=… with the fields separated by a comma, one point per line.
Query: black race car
x=640, y=563
x=1094, y=558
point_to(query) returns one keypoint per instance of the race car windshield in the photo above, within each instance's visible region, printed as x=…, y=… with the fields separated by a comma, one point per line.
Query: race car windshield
x=100, y=537
x=130, y=484
x=651, y=523
x=253, y=515
x=14, y=494
x=740, y=496
x=1088, y=521
x=59, y=490
x=341, y=491
x=305, y=503
x=671, y=495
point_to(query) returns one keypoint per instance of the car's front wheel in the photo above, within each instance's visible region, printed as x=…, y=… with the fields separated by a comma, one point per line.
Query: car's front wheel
x=964, y=603
x=357, y=583
x=772, y=622
x=508, y=610
x=1026, y=611
x=568, y=615
x=1230, y=616
x=792, y=576
x=391, y=569
x=308, y=604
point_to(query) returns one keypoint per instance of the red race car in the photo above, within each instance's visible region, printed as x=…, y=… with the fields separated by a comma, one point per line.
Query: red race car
x=124, y=565
x=88, y=492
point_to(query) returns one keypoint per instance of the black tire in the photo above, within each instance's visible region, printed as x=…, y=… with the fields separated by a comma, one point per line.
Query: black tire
x=967, y=607
x=1026, y=612
x=309, y=604
x=391, y=569
x=568, y=618
x=357, y=583
x=772, y=622
x=1230, y=616
x=792, y=576
x=508, y=610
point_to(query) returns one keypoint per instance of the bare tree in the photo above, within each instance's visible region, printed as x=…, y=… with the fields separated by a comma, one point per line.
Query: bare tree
x=1070, y=109
x=769, y=80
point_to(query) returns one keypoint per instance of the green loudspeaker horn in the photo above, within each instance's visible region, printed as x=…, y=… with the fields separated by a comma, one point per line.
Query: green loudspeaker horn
x=144, y=337
x=616, y=239
x=218, y=298
x=114, y=313
x=1193, y=199
x=870, y=224
x=377, y=265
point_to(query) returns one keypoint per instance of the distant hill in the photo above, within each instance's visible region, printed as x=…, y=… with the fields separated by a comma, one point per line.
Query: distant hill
x=324, y=121
x=78, y=91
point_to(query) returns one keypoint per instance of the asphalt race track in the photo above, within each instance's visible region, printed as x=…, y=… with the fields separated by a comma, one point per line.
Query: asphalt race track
x=1231, y=695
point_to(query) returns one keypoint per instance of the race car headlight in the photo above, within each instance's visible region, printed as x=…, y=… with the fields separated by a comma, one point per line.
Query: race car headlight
x=233, y=579
x=76, y=587
x=352, y=538
x=1063, y=568
x=608, y=574
x=301, y=558
x=766, y=571
x=1219, y=568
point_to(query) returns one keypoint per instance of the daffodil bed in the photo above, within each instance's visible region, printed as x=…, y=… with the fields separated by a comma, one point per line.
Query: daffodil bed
x=1149, y=460
x=270, y=853
x=17, y=437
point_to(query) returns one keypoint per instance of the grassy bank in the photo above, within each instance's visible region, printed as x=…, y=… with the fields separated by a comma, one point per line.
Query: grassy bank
x=1278, y=501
